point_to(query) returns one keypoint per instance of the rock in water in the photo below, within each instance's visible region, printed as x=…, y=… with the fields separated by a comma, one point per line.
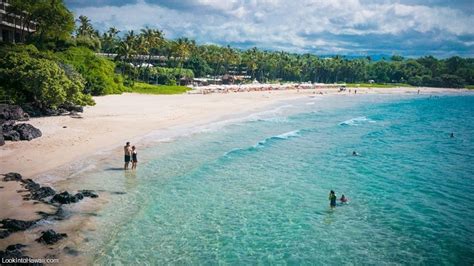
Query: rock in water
x=88, y=193
x=41, y=193
x=12, y=177
x=27, y=131
x=66, y=198
x=12, y=251
x=12, y=112
x=13, y=225
x=31, y=185
x=50, y=237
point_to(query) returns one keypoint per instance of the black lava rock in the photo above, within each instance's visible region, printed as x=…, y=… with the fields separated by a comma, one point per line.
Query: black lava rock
x=31, y=185
x=42, y=192
x=12, y=251
x=66, y=198
x=12, y=112
x=88, y=193
x=11, y=135
x=14, y=225
x=8, y=125
x=50, y=237
x=27, y=131
x=72, y=108
x=12, y=177
x=2, y=139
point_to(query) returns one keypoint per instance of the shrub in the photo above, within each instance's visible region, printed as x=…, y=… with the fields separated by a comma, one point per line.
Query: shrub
x=29, y=76
x=99, y=73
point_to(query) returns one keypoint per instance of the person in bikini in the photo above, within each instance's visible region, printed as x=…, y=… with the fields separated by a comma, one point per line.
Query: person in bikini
x=134, y=158
x=128, y=152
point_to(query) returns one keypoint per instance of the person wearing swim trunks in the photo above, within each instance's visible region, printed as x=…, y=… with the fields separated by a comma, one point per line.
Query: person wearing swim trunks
x=127, y=151
x=332, y=199
x=134, y=158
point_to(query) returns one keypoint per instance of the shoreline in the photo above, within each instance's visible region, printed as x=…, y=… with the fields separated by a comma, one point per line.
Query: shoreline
x=215, y=109
x=66, y=139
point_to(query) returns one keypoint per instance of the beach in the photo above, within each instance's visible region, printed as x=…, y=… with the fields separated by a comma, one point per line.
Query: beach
x=103, y=129
x=119, y=118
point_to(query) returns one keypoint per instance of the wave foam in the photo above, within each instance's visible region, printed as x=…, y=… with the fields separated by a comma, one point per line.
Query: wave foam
x=356, y=121
x=262, y=143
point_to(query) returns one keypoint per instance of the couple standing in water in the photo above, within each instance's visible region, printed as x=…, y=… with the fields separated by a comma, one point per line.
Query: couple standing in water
x=333, y=198
x=130, y=156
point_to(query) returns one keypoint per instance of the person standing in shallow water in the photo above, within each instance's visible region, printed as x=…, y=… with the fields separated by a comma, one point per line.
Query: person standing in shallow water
x=128, y=152
x=134, y=158
x=332, y=199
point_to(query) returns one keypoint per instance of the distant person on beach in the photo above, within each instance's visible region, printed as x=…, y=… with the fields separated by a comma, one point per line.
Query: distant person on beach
x=134, y=158
x=332, y=199
x=128, y=152
x=355, y=91
x=343, y=199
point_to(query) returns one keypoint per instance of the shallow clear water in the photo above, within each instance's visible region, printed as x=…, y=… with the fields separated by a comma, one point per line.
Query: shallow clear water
x=257, y=191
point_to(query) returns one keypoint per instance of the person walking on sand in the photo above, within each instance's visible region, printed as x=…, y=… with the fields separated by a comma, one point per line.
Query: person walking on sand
x=332, y=199
x=134, y=158
x=128, y=152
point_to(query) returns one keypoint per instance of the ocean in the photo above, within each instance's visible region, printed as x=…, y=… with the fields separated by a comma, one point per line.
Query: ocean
x=255, y=190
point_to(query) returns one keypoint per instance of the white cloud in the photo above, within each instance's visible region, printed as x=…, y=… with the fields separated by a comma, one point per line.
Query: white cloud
x=289, y=25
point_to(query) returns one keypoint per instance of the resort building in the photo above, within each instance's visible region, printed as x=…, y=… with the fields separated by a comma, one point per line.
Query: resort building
x=13, y=26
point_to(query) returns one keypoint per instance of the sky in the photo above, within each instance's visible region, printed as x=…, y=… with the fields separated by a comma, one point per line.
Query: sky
x=410, y=28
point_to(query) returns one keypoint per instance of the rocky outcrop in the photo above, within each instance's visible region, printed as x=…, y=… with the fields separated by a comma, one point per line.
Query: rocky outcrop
x=2, y=139
x=66, y=198
x=50, y=237
x=11, y=135
x=15, y=132
x=64, y=109
x=12, y=112
x=88, y=193
x=41, y=193
x=72, y=108
x=12, y=225
x=12, y=177
x=27, y=131
x=12, y=252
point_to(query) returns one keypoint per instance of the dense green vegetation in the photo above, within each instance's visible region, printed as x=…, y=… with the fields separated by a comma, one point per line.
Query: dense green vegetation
x=59, y=66
x=30, y=76
x=377, y=85
x=265, y=66
x=146, y=88
x=99, y=73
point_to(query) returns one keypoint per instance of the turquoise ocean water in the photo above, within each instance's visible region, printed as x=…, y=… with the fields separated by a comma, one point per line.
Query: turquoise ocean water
x=256, y=190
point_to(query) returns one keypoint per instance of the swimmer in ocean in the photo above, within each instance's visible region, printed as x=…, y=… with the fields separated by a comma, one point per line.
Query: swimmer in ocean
x=354, y=153
x=332, y=199
x=452, y=134
x=343, y=199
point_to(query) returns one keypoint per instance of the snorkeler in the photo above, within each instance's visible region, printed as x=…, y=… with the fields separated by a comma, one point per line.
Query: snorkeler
x=332, y=199
x=343, y=199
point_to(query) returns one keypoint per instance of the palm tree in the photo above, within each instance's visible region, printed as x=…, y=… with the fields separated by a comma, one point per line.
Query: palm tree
x=182, y=49
x=85, y=28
